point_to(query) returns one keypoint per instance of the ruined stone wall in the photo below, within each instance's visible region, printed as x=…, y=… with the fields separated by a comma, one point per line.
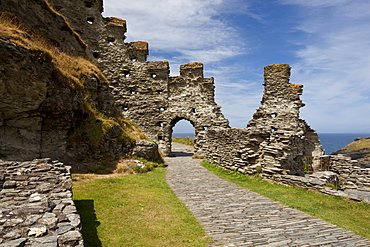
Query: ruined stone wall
x=350, y=172
x=335, y=175
x=143, y=90
x=275, y=140
x=36, y=206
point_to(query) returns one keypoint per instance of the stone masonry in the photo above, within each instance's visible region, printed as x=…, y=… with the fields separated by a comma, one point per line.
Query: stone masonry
x=36, y=206
x=143, y=90
x=275, y=140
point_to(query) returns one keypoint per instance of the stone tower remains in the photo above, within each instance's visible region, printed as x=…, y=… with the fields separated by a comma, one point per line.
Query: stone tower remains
x=276, y=140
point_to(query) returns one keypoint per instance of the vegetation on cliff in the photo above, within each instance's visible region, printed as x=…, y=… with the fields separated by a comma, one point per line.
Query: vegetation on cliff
x=358, y=150
x=94, y=126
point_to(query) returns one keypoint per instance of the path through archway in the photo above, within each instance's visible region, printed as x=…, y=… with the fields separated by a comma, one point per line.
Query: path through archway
x=182, y=128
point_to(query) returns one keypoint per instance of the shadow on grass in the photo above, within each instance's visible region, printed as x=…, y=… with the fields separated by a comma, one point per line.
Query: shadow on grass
x=89, y=222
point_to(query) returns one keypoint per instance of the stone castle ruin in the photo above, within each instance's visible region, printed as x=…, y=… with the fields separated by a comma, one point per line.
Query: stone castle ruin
x=143, y=90
x=146, y=94
x=38, y=113
x=275, y=141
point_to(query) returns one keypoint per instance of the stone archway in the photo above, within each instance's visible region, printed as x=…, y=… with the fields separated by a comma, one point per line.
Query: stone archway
x=172, y=125
x=143, y=91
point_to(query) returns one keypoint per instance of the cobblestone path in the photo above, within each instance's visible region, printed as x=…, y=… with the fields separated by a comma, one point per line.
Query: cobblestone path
x=234, y=216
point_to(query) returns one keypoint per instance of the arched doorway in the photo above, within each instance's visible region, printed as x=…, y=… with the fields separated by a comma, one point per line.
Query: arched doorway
x=181, y=127
x=185, y=130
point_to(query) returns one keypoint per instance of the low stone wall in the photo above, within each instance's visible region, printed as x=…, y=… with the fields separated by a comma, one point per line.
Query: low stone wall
x=233, y=149
x=350, y=173
x=36, y=206
x=253, y=151
x=338, y=175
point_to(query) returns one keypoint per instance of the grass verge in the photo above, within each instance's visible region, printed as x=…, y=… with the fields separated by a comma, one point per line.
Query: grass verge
x=349, y=215
x=187, y=140
x=134, y=210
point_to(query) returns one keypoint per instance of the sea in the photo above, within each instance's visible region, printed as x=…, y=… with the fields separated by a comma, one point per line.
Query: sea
x=330, y=141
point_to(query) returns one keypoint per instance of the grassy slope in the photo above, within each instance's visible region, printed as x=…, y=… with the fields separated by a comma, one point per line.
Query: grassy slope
x=187, y=140
x=360, y=144
x=135, y=210
x=336, y=210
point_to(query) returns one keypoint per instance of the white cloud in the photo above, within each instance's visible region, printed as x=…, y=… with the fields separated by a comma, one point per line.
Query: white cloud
x=315, y=3
x=193, y=29
x=334, y=64
x=184, y=31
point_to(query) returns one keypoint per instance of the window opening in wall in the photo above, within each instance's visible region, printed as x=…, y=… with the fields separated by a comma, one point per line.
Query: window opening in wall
x=153, y=75
x=88, y=4
x=95, y=54
x=90, y=20
x=126, y=74
x=132, y=92
x=160, y=92
x=194, y=110
x=160, y=138
x=162, y=109
x=273, y=130
x=160, y=124
x=205, y=128
x=133, y=59
x=125, y=108
x=110, y=40
x=273, y=115
x=183, y=129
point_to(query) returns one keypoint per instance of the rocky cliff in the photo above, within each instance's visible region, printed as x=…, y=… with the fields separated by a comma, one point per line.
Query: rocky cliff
x=54, y=101
x=358, y=150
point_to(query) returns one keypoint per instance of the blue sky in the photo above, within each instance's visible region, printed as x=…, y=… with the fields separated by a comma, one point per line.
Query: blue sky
x=326, y=42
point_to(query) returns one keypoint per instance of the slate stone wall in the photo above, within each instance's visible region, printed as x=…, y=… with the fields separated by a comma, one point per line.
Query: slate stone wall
x=276, y=140
x=350, y=172
x=36, y=206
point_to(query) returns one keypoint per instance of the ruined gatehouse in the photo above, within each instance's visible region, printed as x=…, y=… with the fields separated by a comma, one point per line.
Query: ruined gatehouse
x=143, y=90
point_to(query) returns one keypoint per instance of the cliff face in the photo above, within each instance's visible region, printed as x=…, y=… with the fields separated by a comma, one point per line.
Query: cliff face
x=54, y=104
x=41, y=18
x=358, y=150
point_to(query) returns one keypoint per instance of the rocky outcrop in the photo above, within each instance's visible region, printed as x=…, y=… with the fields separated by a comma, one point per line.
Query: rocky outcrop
x=36, y=206
x=39, y=17
x=358, y=150
x=147, y=150
x=54, y=104
x=42, y=109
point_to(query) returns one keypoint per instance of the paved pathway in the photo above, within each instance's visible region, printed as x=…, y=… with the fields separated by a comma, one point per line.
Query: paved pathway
x=234, y=216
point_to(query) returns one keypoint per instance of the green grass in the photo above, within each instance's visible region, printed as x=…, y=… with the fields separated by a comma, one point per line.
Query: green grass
x=359, y=144
x=187, y=140
x=134, y=210
x=336, y=210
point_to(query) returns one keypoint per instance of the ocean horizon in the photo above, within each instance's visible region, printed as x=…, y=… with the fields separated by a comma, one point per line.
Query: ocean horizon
x=330, y=141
